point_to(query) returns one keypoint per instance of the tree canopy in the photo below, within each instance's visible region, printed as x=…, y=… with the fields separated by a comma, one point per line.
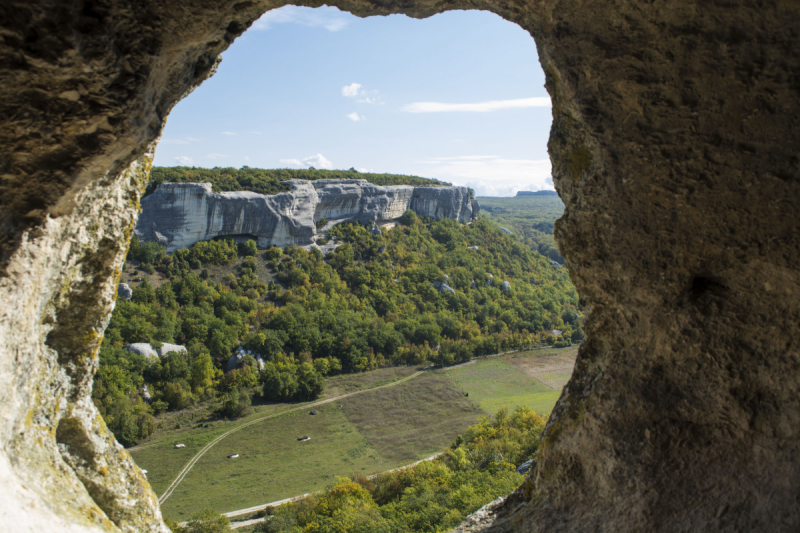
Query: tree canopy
x=417, y=294
x=268, y=181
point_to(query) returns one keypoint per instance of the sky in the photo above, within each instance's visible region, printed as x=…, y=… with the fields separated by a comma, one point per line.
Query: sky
x=458, y=97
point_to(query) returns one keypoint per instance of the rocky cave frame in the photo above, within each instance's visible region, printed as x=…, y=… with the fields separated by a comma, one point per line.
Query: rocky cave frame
x=674, y=147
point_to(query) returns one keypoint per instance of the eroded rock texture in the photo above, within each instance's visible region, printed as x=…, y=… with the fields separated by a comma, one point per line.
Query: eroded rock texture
x=674, y=146
x=178, y=215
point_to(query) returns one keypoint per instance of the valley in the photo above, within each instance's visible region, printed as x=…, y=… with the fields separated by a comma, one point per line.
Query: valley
x=388, y=423
x=369, y=349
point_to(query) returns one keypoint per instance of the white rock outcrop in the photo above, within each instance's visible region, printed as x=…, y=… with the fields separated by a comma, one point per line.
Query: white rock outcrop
x=146, y=349
x=124, y=291
x=180, y=214
x=142, y=348
x=167, y=347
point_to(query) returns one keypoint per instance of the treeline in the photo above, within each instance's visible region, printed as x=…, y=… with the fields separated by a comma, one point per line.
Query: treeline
x=531, y=217
x=375, y=301
x=431, y=496
x=268, y=181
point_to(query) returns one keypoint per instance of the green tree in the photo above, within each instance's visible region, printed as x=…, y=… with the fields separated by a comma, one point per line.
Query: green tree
x=206, y=521
x=310, y=383
x=248, y=248
x=202, y=373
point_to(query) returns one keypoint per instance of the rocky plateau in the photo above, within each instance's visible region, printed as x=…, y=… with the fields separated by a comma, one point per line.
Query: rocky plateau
x=673, y=147
x=178, y=215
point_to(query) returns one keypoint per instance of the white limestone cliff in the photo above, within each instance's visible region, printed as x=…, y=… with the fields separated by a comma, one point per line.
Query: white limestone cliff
x=180, y=214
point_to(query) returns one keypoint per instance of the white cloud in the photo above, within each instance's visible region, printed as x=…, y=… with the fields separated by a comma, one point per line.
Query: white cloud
x=324, y=17
x=316, y=161
x=479, y=107
x=256, y=132
x=184, y=160
x=492, y=175
x=355, y=117
x=362, y=170
x=351, y=91
x=215, y=156
x=228, y=133
x=376, y=100
x=356, y=90
x=246, y=158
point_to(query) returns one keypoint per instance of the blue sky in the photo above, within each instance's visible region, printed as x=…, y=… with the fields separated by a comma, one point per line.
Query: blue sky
x=458, y=96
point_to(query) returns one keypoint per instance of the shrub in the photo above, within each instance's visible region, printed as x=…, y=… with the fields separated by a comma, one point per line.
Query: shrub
x=248, y=248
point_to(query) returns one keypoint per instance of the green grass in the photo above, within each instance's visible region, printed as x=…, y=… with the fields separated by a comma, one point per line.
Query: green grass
x=163, y=462
x=367, y=433
x=336, y=386
x=273, y=464
x=494, y=384
x=414, y=420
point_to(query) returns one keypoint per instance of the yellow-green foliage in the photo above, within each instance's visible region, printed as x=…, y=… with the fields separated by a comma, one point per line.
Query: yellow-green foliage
x=372, y=303
x=431, y=496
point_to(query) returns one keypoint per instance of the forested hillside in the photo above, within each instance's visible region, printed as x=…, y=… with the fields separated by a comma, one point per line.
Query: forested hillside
x=268, y=181
x=412, y=295
x=529, y=217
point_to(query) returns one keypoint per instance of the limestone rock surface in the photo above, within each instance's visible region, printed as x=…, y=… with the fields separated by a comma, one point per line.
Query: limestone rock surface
x=673, y=147
x=146, y=349
x=124, y=291
x=167, y=347
x=142, y=348
x=178, y=215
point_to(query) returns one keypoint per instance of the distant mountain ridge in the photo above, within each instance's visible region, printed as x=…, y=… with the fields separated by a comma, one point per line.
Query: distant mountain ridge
x=537, y=193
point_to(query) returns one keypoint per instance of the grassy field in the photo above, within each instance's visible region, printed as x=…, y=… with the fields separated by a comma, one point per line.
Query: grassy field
x=163, y=462
x=501, y=381
x=412, y=421
x=367, y=433
x=274, y=465
x=338, y=385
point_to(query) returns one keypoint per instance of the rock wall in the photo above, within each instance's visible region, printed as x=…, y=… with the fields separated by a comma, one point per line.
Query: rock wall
x=181, y=214
x=674, y=149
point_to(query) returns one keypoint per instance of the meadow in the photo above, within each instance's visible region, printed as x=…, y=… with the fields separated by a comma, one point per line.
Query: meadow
x=369, y=432
x=523, y=378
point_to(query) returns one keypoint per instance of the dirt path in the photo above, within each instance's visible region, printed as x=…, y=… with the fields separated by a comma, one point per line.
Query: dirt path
x=207, y=447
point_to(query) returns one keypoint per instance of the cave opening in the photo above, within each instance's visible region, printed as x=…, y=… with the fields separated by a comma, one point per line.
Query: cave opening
x=673, y=145
x=474, y=112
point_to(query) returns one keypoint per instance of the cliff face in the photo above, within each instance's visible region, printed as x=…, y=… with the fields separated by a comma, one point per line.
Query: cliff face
x=180, y=214
x=674, y=149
